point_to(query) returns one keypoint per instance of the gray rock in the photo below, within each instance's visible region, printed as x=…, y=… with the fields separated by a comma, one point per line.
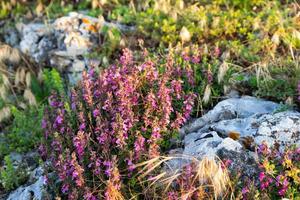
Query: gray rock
x=243, y=163
x=34, y=191
x=75, y=70
x=62, y=41
x=60, y=63
x=248, y=117
x=282, y=128
x=230, y=109
x=207, y=144
x=46, y=44
x=28, y=160
x=11, y=37
x=77, y=66
x=31, y=35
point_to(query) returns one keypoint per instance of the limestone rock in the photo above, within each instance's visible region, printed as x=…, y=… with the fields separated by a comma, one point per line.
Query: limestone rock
x=230, y=109
x=207, y=144
x=34, y=191
x=249, y=119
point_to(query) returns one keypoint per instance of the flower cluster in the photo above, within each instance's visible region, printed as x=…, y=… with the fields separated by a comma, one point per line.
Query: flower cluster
x=280, y=172
x=112, y=121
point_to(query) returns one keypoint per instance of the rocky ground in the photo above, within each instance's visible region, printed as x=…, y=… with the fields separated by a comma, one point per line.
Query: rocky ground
x=228, y=131
x=232, y=129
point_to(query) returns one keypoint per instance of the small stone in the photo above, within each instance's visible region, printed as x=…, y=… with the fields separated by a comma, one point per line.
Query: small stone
x=77, y=43
x=11, y=37
x=74, y=78
x=77, y=66
x=61, y=63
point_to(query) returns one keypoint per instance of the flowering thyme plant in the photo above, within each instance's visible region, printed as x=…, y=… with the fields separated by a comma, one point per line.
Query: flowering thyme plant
x=112, y=121
x=279, y=176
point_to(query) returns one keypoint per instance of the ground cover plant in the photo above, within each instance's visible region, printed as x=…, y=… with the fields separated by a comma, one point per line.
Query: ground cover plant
x=24, y=92
x=113, y=121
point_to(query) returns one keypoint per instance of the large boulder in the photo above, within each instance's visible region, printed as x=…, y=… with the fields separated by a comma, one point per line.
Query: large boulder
x=233, y=127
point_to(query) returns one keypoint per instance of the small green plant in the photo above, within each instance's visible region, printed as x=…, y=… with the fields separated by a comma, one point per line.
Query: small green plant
x=11, y=177
x=52, y=81
x=24, y=132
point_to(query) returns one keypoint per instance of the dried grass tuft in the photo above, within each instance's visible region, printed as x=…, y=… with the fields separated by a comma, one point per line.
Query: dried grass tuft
x=29, y=97
x=9, y=55
x=207, y=173
x=207, y=94
x=5, y=113
x=222, y=71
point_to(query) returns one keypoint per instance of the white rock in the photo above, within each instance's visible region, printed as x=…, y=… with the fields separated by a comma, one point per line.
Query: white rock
x=77, y=66
x=34, y=191
x=208, y=144
x=250, y=117
x=77, y=43
x=208, y=136
x=232, y=108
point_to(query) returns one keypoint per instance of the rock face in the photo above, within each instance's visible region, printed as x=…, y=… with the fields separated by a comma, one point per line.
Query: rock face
x=234, y=126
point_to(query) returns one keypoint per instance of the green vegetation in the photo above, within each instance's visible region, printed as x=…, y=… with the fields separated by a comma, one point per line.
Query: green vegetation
x=25, y=131
x=11, y=177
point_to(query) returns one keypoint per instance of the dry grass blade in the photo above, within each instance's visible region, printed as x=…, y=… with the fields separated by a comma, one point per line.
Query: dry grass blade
x=151, y=165
x=5, y=81
x=207, y=94
x=208, y=173
x=9, y=55
x=29, y=97
x=5, y=113
x=222, y=71
x=3, y=92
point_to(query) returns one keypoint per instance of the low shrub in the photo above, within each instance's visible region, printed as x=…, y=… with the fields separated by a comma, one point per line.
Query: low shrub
x=111, y=122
